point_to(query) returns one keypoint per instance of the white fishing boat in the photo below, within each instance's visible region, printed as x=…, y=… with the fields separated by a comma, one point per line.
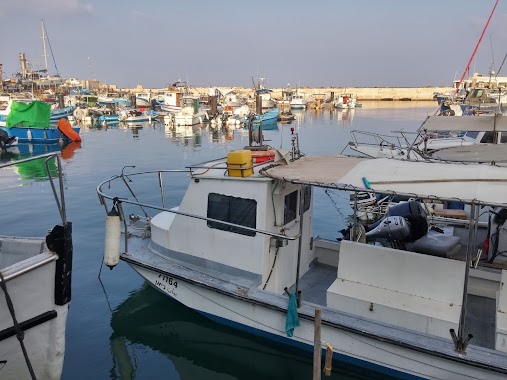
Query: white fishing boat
x=298, y=101
x=143, y=99
x=345, y=101
x=170, y=100
x=191, y=113
x=239, y=249
x=35, y=288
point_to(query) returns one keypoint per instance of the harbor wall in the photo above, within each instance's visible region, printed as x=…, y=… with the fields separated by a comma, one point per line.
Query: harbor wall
x=361, y=93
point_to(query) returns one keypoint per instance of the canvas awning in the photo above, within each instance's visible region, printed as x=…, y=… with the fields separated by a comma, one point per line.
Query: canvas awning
x=483, y=123
x=483, y=183
x=35, y=115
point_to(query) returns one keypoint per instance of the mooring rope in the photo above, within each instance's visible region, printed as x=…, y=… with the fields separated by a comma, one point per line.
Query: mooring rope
x=19, y=333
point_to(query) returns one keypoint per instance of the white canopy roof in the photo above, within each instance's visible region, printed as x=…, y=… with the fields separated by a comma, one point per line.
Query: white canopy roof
x=483, y=123
x=484, y=183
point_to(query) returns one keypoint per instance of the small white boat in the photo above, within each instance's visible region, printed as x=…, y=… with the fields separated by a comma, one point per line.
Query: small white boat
x=35, y=291
x=298, y=101
x=191, y=113
x=345, y=101
x=135, y=116
x=143, y=99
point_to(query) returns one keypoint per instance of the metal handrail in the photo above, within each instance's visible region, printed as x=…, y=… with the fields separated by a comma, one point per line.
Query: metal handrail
x=103, y=196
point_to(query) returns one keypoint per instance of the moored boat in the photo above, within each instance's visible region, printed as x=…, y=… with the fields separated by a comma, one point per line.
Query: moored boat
x=31, y=123
x=35, y=282
x=384, y=305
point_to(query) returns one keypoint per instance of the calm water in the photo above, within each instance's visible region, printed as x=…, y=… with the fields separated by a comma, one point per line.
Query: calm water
x=123, y=329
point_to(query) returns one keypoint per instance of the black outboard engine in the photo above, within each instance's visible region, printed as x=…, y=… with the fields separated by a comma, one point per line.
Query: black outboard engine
x=402, y=209
x=5, y=139
x=405, y=222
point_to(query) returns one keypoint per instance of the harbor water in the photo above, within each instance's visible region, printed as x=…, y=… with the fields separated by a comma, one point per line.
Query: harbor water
x=120, y=328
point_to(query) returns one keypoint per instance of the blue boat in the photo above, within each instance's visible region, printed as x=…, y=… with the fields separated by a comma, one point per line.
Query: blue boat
x=30, y=123
x=49, y=135
x=59, y=113
x=268, y=119
x=108, y=119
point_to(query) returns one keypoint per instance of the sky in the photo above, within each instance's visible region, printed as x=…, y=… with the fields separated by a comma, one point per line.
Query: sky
x=319, y=43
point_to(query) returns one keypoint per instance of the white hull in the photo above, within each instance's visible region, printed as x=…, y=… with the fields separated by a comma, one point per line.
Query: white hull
x=182, y=119
x=253, y=317
x=170, y=109
x=298, y=105
x=268, y=103
x=32, y=294
x=142, y=102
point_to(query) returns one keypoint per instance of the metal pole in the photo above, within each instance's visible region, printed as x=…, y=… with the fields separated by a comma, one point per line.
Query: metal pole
x=161, y=188
x=317, y=350
x=300, y=245
x=472, y=229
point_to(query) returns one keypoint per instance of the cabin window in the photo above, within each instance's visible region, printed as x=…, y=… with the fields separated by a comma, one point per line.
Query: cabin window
x=488, y=137
x=290, y=207
x=308, y=198
x=232, y=210
x=503, y=138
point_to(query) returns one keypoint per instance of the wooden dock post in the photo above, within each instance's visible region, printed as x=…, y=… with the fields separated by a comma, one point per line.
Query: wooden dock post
x=317, y=349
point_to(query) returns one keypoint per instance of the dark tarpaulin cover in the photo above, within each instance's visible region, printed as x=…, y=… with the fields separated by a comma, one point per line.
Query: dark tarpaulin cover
x=35, y=115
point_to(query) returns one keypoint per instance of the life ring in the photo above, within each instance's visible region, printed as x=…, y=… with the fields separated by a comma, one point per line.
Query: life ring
x=263, y=155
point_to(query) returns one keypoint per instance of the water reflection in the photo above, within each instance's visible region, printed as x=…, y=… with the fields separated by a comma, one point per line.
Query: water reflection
x=185, y=135
x=36, y=170
x=223, y=133
x=345, y=116
x=197, y=347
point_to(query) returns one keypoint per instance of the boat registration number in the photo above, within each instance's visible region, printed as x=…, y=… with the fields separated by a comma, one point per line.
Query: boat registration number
x=166, y=283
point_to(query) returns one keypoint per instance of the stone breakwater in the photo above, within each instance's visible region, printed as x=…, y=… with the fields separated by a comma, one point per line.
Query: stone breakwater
x=361, y=93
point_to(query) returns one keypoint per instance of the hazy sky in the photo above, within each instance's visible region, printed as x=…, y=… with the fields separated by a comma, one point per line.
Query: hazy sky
x=225, y=42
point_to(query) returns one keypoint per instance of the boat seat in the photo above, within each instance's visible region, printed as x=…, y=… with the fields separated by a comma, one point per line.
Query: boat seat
x=437, y=244
x=401, y=288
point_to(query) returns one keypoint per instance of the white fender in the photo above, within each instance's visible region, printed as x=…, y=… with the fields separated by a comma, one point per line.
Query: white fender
x=112, y=239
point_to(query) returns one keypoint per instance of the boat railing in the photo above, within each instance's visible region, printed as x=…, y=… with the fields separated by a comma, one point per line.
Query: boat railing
x=117, y=202
x=58, y=194
x=400, y=140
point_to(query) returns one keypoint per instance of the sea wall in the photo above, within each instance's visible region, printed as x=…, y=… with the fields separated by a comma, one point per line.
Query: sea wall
x=361, y=93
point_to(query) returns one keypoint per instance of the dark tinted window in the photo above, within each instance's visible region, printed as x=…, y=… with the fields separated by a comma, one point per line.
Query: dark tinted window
x=233, y=210
x=290, y=207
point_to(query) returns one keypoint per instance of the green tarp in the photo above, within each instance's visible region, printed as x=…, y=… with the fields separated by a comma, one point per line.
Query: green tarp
x=35, y=115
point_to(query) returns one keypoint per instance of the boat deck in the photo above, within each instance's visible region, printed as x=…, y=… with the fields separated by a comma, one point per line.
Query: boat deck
x=480, y=319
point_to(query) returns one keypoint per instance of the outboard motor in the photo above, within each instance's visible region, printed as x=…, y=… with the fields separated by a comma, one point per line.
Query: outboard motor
x=5, y=139
x=402, y=209
x=399, y=228
x=405, y=222
x=392, y=228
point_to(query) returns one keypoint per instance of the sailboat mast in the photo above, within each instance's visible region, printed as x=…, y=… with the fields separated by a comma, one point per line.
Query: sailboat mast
x=44, y=46
x=475, y=50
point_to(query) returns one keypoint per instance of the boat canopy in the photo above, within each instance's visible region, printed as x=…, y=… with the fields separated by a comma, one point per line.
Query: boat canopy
x=35, y=115
x=465, y=182
x=483, y=123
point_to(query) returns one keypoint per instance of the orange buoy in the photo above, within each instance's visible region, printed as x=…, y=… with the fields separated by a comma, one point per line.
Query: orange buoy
x=65, y=127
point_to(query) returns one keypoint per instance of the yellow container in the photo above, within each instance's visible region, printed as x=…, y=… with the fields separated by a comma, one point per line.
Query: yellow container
x=237, y=161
